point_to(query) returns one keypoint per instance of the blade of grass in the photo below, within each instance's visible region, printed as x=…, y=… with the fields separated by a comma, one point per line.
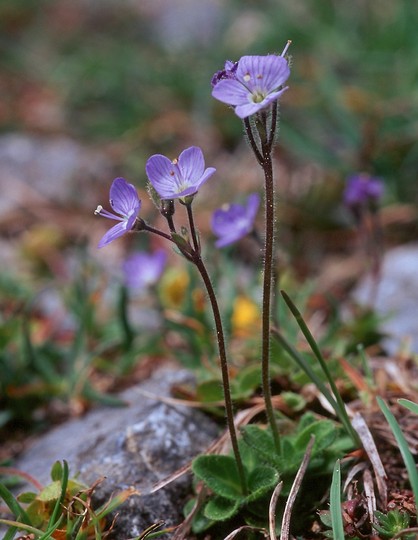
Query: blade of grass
x=13, y=504
x=403, y=447
x=335, y=503
x=413, y=407
x=56, y=518
x=340, y=410
x=16, y=525
x=304, y=366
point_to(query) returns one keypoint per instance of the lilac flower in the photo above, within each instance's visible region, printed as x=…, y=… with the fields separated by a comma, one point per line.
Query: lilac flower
x=234, y=221
x=257, y=82
x=180, y=177
x=125, y=201
x=142, y=270
x=227, y=73
x=362, y=191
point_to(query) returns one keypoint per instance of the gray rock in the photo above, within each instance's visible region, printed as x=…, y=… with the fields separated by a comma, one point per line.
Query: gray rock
x=396, y=297
x=136, y=446
x=48, y=168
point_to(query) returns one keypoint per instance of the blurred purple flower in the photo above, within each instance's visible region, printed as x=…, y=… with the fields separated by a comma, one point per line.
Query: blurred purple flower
x=125, y=201
x=227, y=73
x=142, y=270
x=180, y=177
x=362, y=191
x=257, y=82
x=234, y=221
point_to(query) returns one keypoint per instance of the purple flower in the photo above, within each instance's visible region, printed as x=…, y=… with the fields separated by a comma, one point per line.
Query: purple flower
x=142, y=270
x=180, y=177
x=227, y=73
x=125, y=201
x=257, y=82
x=234, y=221
x=362, y=190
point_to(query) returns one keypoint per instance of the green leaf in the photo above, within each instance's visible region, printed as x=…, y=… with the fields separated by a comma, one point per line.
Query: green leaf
x=260, y=481
x=403, y=447
x=220, y=509
x=27, y=497
x=56, y=471
x=247, y=380
x=261, y=441
x=13, y=504
x=335, y=503
x=181, y=243
x=220, y=474
x=325, y=434
x=409, y=405
x=209, y=391
x=51, y=492
x=200, y=522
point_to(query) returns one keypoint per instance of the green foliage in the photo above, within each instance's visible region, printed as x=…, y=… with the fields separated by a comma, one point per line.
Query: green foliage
x=403, y=447
x=60, y=509
x=220, y=474
x=392, y=523
x=264, y=467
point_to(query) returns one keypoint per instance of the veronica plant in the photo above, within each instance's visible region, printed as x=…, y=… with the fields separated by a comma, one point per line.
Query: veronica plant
x=179, y=179
x=252, y=86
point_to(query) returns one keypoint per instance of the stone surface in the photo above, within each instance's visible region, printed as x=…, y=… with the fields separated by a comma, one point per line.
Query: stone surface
x=396, y=297
x=137, y=446
x=48, y=168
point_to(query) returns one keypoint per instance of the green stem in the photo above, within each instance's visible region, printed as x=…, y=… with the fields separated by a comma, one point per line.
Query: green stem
x=195, y=238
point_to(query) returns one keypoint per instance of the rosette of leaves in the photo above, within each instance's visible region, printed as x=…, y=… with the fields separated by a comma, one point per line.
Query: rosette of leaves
x=264, y=468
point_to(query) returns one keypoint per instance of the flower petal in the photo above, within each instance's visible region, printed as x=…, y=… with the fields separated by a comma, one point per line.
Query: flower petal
x=191, y=164
x=115, y=232
x=124, y=197
x=231, y=92
x=263, y=72
x=163, y=175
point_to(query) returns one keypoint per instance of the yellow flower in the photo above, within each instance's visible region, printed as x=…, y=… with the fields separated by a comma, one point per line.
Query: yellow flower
x=173, y=287
x=245, y=316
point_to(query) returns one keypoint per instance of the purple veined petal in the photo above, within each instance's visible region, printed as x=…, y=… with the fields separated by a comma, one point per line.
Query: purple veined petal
x=251, y=107
x=205, y=176
x=231, y=92
x=180, y=178
x=191, y=164
x=163, y=175
x=263, y=72
x=124, y=197
x=115, y=232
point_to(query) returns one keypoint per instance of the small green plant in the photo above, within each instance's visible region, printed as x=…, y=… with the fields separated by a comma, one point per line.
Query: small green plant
x=393, y=523
x=60, y=510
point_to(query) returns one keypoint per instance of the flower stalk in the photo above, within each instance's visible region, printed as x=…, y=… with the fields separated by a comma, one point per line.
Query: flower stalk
x=220, y=335
x=266, y=133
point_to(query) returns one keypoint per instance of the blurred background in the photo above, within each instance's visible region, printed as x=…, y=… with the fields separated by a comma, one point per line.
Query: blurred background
x=89, y=89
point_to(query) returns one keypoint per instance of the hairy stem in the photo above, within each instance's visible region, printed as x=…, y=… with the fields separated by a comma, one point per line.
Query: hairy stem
x=224, y=369
x=267, y=291
x=267, y=134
